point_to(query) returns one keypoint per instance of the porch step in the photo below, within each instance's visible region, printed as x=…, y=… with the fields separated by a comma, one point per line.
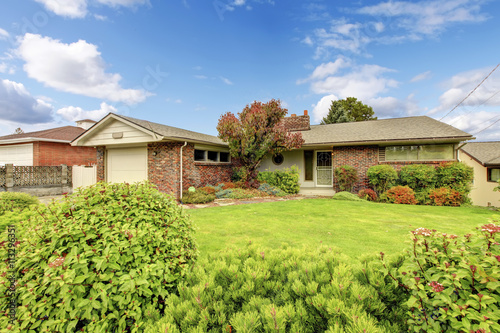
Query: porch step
x=317, y=191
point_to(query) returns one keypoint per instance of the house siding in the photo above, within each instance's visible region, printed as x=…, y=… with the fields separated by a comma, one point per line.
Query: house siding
x=55, y=153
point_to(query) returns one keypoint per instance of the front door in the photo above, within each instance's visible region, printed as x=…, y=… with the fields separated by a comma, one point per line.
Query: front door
x=324, y=169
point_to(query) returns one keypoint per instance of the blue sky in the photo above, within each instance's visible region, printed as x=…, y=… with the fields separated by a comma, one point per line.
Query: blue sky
x=184, y=63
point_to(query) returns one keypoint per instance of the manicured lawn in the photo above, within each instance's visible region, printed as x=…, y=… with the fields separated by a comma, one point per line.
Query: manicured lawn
x=355, y=227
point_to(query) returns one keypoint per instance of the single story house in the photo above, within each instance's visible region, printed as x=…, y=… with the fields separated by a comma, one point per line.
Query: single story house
x=130, y=149
x=484, y=158
x=50, y=147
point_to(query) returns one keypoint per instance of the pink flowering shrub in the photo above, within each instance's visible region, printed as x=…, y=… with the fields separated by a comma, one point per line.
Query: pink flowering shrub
x=452, y=283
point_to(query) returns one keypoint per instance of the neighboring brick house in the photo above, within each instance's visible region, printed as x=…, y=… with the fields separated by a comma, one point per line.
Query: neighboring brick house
x=484, y=158
x=47, y=148
x=131, y=150
x=397, y=142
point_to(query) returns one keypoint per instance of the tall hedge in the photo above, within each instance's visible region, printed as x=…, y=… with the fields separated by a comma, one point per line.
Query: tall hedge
x=418, y=176
x=382, y=177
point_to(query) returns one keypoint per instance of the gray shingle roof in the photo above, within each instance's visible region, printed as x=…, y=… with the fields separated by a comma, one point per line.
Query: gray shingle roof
x=487, y=153
x=383, y=130
x=66, y=133
x=173, y=132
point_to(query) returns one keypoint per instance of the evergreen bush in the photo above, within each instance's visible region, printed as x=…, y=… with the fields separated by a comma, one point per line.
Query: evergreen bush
x=271, y=190
x=382, y=177
x=455, y=175
x=284, y=290
x=347, y=196
x=418, y=176
x=95, y=260
x=451, y=283
x=199, y=196
x=287, y=180
x=346, y=177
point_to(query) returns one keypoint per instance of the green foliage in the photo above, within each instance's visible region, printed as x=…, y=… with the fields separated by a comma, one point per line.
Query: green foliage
x=199, y=196
x=257, y=131
x=368, y=194
x=382, y=177
x=346, y=110
x=455, y=175
x=346, y=176
x=399, y=195
x=10, y=201
x=286, y=290
x=422, y=196
x=418, y=176
x=287, y=179
x=452, y=283
x=271, y=190
x=446, y=197
x=347, y=196
x=96, y=260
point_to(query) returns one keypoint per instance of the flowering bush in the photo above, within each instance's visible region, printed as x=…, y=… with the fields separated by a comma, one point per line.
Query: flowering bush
x=399, y=195
x=346, y=176
x=452, y=283
x=382, y=177
x=418, y=176
x=368, y=194
x=96, y=259
x=446, y=197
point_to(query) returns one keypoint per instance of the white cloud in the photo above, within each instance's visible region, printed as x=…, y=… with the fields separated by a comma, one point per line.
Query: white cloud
x=76, y=68
x=391, y=107
x=427, y=17
x=482, y=123
x=308, y=41
x=320, y=109
x=67, y=8
x=4, y=35
x=79, y=8
x=18, y=105
x=6, y=68
x=226, y=81
x=74, y=113
x=201, y=77
x=421, y=76
x=363, y=82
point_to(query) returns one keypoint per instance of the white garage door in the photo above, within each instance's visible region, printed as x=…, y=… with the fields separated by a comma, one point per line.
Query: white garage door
x=127, y=165
x=17, y=154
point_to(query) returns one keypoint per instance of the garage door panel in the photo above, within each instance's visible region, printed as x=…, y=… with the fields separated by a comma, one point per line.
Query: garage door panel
x=17, y=154
x=127, y=165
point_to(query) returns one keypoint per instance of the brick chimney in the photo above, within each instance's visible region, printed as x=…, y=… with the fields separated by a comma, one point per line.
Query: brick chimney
x=297, y=123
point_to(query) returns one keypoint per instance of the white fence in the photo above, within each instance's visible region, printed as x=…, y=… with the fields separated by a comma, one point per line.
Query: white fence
x=84, y=176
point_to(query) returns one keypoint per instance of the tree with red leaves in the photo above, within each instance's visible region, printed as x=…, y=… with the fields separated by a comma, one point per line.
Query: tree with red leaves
x=258, y=130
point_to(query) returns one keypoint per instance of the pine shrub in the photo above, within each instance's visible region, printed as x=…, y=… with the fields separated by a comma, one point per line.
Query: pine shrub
x=284, y=290
x=382, y=177
x=418, y=176
x=95, y=260
x=450, y=283
x=346, y=177
x=399, y=195
x=271, y=190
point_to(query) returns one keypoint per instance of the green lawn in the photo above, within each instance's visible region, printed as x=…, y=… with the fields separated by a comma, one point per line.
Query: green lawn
x=355, y=227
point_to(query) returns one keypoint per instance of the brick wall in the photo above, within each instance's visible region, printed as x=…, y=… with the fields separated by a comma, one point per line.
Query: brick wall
x=101, y=165
x=359, y=157
x=56, y=153
x=297, y=123
x=164, y=168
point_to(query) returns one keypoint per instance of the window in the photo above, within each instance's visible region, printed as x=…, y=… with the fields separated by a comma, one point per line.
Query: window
x=420, y=153
x=278, y=159
x=493, y=174
x=201, y=155
x=308, y=167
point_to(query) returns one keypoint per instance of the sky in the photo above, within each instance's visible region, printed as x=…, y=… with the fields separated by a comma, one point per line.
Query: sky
x=184, y=63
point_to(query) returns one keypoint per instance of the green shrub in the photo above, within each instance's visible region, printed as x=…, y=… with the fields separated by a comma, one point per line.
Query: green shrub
x=200, y=196
x=418, y=176
x=224, y=194
x=382, y=177
x=452, y=283
x=95, y=260
x=239, y=193
x=287, y=180
x=10, y=201
x=346, y=176
x=368, y=194
x=347, y=196
x=422, y=196
x=455, y=175
x=446, y=197
x=285, y=290
x=399, y=195
x=271, y=190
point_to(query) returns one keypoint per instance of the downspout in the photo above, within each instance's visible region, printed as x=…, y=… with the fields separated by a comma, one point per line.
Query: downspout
x=185, y=144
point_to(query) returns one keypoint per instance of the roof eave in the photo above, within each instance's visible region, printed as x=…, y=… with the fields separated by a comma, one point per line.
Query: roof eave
x=393, y=141
x=31, y=139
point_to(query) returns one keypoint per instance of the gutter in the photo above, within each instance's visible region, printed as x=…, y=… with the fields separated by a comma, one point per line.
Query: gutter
x=185, y=144
x=32, y=139
x=394, y=141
